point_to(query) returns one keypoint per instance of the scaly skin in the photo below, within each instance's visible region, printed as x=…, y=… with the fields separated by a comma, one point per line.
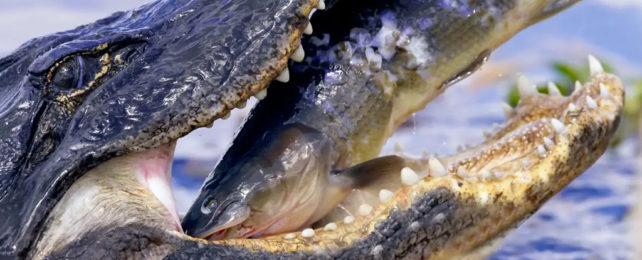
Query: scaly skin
x=52, y=134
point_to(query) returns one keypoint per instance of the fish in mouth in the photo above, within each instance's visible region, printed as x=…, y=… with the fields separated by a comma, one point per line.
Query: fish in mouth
x=90, y=117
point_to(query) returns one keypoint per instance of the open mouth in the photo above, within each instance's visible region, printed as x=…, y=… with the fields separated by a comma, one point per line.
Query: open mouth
x=545, y=142
x=423, y=207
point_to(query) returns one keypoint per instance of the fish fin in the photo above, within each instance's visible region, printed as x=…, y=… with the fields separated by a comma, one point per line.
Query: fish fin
x=369, y=172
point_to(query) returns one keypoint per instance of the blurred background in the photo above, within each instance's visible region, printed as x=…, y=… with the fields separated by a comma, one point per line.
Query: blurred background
x=595, y=217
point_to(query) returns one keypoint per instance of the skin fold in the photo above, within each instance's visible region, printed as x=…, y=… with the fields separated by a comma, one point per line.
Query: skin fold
x=83, y=110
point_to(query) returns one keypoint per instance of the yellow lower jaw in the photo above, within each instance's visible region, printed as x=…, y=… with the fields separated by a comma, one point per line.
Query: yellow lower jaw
x=451, y=216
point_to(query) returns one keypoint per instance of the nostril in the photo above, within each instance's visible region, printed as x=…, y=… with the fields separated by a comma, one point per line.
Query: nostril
x=208, y=206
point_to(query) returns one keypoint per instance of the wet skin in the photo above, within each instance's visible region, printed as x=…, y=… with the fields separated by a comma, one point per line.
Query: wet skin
x=133, y=83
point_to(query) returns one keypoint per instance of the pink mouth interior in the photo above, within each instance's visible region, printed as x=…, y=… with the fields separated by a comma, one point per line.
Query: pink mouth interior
x=155, y=173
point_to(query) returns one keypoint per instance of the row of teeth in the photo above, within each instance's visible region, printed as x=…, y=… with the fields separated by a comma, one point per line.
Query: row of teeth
x=297, y=56
x=436, y=169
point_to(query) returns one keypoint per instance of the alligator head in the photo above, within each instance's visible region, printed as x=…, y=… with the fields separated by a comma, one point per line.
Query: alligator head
x=79, y=104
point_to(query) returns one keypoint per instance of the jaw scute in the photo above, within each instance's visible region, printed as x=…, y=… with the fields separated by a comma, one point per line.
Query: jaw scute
x=547, y=141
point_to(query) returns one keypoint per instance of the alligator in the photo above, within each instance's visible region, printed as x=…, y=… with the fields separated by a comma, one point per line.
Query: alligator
x=90, y=117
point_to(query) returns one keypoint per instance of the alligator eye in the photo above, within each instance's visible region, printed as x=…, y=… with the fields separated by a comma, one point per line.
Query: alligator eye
x=209, y=206
x=69, y=74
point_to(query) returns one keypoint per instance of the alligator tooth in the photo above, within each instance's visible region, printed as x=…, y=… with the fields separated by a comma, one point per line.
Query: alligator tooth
x=262, y=94
x=436, y=168
x=409, y=177
x=553, y=90
x=365, y=209
x=308, y=232
x=321, y=5
x=604, y=93
x=508, y=110
x=578, y=86
x=330, y=226
x=297, y=56
x=541, y=150
x=525, y=86
x=594, y=65
x=558, y=126
x=289, y=236
x=591, y=102
x=308, y=29
x=348, y=219
x=548, y=142
x=385, y=195
x=284, y=76
x=571, y=107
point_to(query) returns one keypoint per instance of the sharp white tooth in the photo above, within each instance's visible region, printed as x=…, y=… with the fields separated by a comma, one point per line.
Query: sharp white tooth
x=297, y=56
x=553, y=90
x=284, y=76
x=548, y=142
x=558, y=126
x=436, y=168
x=571, y=107
x=591, y=102
x=289, y=236
x=262, y=94
x=330, y=226
x=541, y=150
x=312, y=13
x=321, y=5
x=385, y=195
x=409, y=177
x=525, y=86
x=508, y=110
x=308, y=29
x=604, y=92
x=365, y=209
x=308, y=232
x=594, y=65
x=348, y=219
x=578, y=86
